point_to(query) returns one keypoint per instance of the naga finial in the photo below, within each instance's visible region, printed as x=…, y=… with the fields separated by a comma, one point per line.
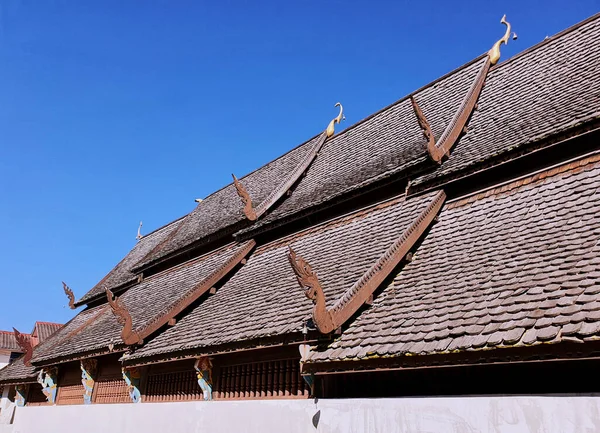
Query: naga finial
x=128, y=335
x=494, y=53
x=24, y=342
x=139, y=234
x=70, y=295
x=246, y=200
x=338, y=119
x=306, y=277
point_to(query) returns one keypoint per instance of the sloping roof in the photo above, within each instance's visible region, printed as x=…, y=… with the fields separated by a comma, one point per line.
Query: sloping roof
x=122, y=274
x=17, y=372
x=523, y=100
x=263, y=298
x=387, y=144
x=44, y=330
x=517, y=265
x=9, y=342
x=542, y=92
x=94, y=329
x=224, y=207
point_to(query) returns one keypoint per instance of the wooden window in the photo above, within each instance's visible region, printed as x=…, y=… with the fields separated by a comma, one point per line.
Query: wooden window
x=110, y=387
x=35, y=396
x=260, y=380
x=173, y=386
x=70, y=388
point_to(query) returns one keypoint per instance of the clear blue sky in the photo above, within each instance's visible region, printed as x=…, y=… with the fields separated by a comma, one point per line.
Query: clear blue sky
x=112, y=112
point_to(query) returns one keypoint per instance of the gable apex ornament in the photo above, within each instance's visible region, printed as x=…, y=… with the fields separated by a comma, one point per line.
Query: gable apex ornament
x=494, y=53
x=70, y=295
x=338, y=119
x=24, y=343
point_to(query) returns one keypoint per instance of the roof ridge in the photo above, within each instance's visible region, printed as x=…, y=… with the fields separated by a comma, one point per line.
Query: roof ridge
x=164, y=226
x=547, y=40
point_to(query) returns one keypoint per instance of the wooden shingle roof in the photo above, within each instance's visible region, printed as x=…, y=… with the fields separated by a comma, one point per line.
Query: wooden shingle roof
x=513, y=266
x=549, y=91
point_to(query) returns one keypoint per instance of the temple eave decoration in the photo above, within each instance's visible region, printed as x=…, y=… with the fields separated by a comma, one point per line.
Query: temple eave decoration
x=203, y=367
x=24, y=343
x=132, y=378
x=253, y=213
x=246, y=199
x=47, y=378
x=457, y=126
x=329, y=319
x=89, y=368
x=128, y=335
x=70, y=295
x=203, y=287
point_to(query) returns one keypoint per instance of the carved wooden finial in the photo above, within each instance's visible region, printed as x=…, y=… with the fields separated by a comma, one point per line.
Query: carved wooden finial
x=70, y=295
x=123, y=317
x=308, y=280
x=139, y=233
x=494, y=52
x=24, y=343
x=306, y=277
x=243, y=193
x=338, y=119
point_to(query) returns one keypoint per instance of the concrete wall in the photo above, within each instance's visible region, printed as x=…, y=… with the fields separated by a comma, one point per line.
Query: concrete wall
x=414, y=415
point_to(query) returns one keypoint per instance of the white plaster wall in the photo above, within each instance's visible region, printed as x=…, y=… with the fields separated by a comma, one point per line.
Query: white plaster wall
x=414, y=415
x=4, y=358
x=6, y=411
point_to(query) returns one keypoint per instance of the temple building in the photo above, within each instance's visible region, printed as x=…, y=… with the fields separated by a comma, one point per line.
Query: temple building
x=14, y=346
x=446, y=246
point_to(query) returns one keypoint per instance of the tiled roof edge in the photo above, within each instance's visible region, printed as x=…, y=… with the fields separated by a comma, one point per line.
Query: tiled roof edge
x=328, y=320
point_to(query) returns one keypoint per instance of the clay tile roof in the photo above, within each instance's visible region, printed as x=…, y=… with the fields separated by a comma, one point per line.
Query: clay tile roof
x=9, y=342
x=263, y=298
x=94, y=329
x=43, y=330
x=528, y=98
x=517, y=265
x=122, y=274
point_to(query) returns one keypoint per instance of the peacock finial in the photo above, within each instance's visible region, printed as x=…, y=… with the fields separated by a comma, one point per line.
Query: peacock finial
x=338, y=119
x=494, y=53
x=139, y=234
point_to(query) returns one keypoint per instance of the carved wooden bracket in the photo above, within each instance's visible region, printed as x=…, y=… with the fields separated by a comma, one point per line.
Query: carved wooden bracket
x=21, y=392
x=128, y=335
x=132, y=337
x=328, y=320
x=132, y=378
x=24, y=343
x=47, y=379
x=70, y=295
x=89, y=368
x=203, y=367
